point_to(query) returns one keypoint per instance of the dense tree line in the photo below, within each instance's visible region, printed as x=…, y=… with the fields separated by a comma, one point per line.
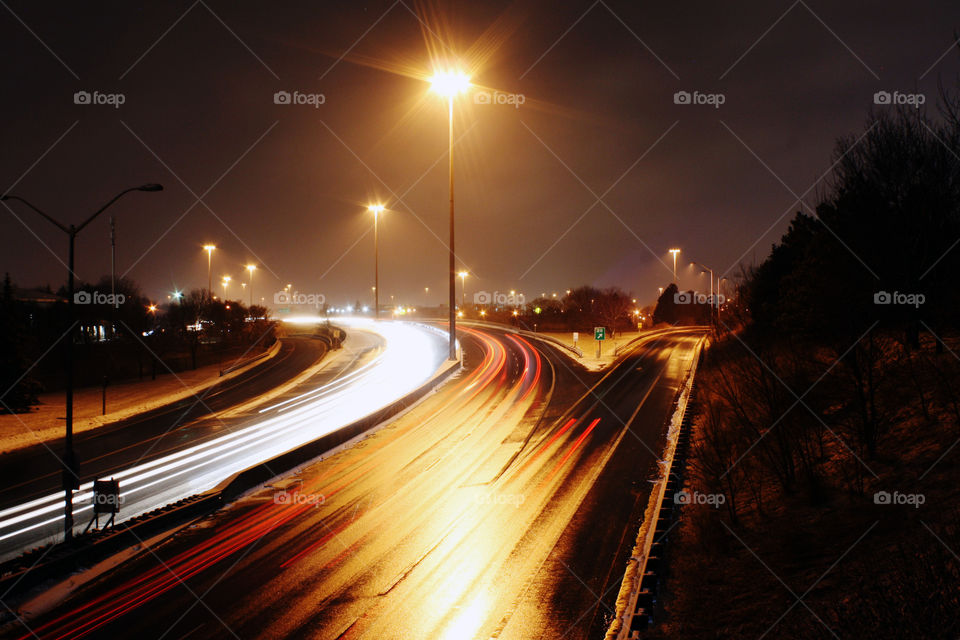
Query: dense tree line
x=838, y=377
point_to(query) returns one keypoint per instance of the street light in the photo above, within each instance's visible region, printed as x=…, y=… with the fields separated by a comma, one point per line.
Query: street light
x=251, y=268
x=71, y=479
x=674, y=252
x=209, y=248
x=376, y=209
x=463, y=287
x=448, y=84
x=226, y=281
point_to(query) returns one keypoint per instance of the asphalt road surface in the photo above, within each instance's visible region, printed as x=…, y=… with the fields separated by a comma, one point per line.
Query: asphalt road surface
x=499, y=507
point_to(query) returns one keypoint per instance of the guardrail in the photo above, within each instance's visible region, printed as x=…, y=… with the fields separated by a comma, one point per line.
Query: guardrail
x=643, y=577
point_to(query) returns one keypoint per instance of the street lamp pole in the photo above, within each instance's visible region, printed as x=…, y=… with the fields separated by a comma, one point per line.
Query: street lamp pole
x=71, y=477
x=251, y=268
x=449, y=84
x=463, y=289
x=453, y=266
x=209, y=248
x=377, y=209
x=711, y=289
x=674, y=252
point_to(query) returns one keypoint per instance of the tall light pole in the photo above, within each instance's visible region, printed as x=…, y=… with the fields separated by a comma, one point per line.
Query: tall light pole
x=711, y=288
x=376, y=209
x=209, y=248
x=448, y=84
x=463, y=288
x=251, y=268
x=226, y=281
x=71, y=477
x=674, y=252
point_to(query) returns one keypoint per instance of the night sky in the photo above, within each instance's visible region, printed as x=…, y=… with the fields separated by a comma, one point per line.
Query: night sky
x=589, y=181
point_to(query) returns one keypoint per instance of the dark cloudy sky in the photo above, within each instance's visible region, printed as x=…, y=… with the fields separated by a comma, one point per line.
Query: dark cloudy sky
x=590, y=180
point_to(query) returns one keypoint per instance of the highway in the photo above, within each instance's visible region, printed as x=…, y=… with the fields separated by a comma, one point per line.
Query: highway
x=502, y=506
x=188, y=448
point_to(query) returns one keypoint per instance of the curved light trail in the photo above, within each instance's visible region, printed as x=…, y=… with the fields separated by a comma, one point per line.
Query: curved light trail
x=407, y=355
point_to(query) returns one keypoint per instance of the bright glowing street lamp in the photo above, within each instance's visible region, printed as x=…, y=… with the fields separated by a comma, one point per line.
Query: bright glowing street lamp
x=209, y=248
x=674, y=252
x=376, y=210
x=251, y=268
x=448, y=84
x=226, y=281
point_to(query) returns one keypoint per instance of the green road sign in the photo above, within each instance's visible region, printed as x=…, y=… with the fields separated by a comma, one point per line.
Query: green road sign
x=283, y=310
x=599, y=333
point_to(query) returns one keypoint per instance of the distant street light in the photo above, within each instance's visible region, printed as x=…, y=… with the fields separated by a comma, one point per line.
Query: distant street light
x=674, y=252
x=226, y=281
x=448, y=84
x=251, y=268
x=376, y=209
x=71, y=479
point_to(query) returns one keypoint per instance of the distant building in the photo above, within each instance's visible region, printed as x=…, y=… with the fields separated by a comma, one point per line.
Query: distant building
x=38, y=297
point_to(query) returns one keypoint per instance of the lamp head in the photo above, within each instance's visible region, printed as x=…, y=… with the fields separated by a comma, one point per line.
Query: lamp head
x=448, y=83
